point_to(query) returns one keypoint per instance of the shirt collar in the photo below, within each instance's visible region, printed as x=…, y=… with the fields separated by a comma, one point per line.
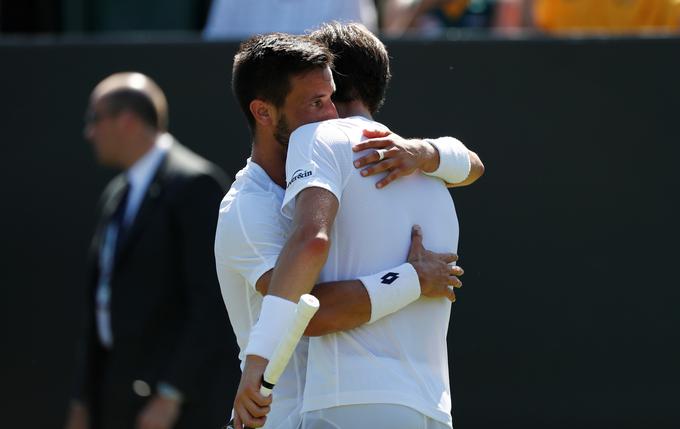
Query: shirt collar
x=143, y=170
x=261, y=177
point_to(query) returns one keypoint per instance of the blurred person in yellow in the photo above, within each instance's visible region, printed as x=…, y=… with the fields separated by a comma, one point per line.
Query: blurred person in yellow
x=607, y=16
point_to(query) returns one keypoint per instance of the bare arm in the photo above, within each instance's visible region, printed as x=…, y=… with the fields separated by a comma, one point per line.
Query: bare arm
x=297, y=269
x=476, y=171
x=306, y=250
x=344, y=305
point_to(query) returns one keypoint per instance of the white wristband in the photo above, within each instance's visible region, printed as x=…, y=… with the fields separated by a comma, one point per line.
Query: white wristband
x=276, y=315
x=391, y=290
x=454, y=160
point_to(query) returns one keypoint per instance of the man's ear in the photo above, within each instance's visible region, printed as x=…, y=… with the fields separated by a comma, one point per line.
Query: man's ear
x=263, y=112
x=126, y=120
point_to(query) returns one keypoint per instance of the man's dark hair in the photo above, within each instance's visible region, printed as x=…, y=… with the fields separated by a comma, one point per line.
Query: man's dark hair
x=135, y=101
x=264, y=65
x=361, y=67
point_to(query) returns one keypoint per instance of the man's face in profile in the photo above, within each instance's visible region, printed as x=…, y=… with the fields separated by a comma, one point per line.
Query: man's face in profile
x=101, y=130
x=309, y=100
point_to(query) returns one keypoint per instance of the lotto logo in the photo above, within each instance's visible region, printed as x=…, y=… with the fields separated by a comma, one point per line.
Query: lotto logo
x=389, y=278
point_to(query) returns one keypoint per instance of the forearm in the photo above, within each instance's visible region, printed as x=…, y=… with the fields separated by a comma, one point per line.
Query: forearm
x=299, y=265
x=476, y=171
x=306, y=250
x=350, y=303
x=296, y=271
x=344, y=305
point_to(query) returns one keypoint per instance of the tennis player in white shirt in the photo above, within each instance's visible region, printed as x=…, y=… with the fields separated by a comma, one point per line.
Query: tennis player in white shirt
x=251, y=232
x=392, y=371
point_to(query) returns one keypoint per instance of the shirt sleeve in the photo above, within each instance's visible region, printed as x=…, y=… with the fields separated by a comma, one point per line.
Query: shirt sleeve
x=318, y=155
x=249, y=237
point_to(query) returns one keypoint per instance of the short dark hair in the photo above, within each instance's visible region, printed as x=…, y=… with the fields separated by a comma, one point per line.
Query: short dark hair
x=361, y=68
x=135, y=101
x=265, y=63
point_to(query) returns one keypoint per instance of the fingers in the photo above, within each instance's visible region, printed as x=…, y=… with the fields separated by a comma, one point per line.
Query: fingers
x=258, y=398
x=378, y=143
x=394, y=175
x=237, y=423
x=417, y=234
x=454, y=272
x=375, y=134
x=255, y=403
x=451, y=294
x=416, y=242
x=246, y=422
x=391, y=165
x=448, y=258
x=374, y=157
x=250, y=406
x=242, y=418
x=386, y=164
x=454, y=283
x=371, y=134
x=437, y=278
x=256, y=410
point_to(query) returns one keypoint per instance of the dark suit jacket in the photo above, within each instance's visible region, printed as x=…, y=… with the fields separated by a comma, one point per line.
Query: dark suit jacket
x=168, y=320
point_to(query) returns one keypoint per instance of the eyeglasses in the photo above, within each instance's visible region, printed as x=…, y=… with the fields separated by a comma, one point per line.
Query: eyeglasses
x=92, y=116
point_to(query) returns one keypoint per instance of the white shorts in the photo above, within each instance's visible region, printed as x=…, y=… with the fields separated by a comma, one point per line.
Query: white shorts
x=369, y=416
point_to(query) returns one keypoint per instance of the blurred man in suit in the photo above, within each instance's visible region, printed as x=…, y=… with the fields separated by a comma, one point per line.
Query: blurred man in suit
x=154, y=348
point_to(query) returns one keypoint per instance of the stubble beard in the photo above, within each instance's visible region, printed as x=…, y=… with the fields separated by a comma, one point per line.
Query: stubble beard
x=282, y=132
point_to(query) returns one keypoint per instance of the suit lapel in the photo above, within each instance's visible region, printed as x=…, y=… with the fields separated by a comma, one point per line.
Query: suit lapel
x=152, y=199
x=111, y=202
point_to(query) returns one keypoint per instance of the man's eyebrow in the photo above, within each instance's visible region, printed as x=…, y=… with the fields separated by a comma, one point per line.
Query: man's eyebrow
x=315, y=96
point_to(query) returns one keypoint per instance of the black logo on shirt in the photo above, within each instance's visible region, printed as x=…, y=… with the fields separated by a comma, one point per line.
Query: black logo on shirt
x=299, y=174
x=389, y=278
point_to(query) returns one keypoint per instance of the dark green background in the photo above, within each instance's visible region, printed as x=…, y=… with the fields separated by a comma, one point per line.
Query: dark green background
x=569, y=315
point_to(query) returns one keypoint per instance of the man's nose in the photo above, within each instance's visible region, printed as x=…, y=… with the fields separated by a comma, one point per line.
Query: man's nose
x=331, y=111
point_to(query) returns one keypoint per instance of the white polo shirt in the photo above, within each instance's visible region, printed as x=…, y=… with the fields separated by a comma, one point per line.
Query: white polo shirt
x=250, y=235
x=401, y=358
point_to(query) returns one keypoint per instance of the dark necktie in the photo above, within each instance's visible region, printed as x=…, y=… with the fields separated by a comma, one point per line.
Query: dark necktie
x=113, y=237
x=118, y=217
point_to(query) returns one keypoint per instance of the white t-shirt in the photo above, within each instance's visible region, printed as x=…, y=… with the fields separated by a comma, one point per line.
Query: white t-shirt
x=401, y=358
x=250, y=235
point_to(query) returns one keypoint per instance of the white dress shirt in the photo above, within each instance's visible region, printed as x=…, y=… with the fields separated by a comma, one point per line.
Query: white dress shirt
x=141, y=173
